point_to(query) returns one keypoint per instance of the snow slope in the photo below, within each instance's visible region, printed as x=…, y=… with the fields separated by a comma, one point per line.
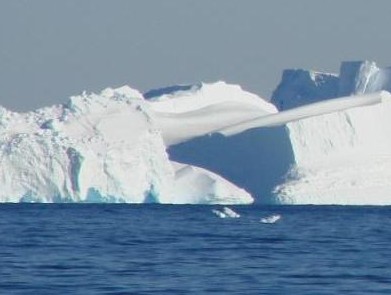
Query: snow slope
x=98, y=148
x=203, y=108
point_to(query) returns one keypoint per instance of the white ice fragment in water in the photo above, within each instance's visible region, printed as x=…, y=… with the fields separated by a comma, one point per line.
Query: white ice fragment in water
x=219, y=213
x=226, y=213
x=230, y=213
x=271, y=219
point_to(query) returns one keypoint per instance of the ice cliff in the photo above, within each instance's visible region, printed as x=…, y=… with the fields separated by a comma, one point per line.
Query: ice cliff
x=344, y=156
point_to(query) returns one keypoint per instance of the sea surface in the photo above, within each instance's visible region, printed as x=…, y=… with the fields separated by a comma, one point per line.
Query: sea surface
x=166, y=249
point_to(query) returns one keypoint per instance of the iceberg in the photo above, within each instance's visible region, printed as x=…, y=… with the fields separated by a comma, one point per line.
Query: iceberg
x=342, y=156
x=341, y=150
x=282, y=157
x=99, y=148
x=325, y=142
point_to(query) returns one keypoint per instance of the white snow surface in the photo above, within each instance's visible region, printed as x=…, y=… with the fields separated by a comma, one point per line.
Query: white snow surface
x=99, y=148
x=204, y=108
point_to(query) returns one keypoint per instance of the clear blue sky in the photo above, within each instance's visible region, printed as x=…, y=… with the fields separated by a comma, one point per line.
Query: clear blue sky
x=51, y=49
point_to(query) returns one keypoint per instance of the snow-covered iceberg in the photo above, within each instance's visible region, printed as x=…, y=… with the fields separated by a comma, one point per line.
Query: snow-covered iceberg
x=341, y=158
x=99, y=148
x=209, y=143
x=341, y=149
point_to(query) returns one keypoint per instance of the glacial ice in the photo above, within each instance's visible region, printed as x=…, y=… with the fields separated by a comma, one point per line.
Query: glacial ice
x=99, y=148
x=342, y=157
x=209, y=143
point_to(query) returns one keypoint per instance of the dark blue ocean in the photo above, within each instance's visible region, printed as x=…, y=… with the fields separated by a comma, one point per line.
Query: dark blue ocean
x=157, y=249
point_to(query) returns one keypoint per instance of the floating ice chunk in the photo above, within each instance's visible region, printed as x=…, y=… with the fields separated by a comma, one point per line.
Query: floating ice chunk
x=230, y=213
x=219, y=213
x=271, y=219
x=226, y=213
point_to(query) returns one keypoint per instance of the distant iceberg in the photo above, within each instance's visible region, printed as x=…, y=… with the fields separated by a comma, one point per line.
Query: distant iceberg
x=300, y=87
